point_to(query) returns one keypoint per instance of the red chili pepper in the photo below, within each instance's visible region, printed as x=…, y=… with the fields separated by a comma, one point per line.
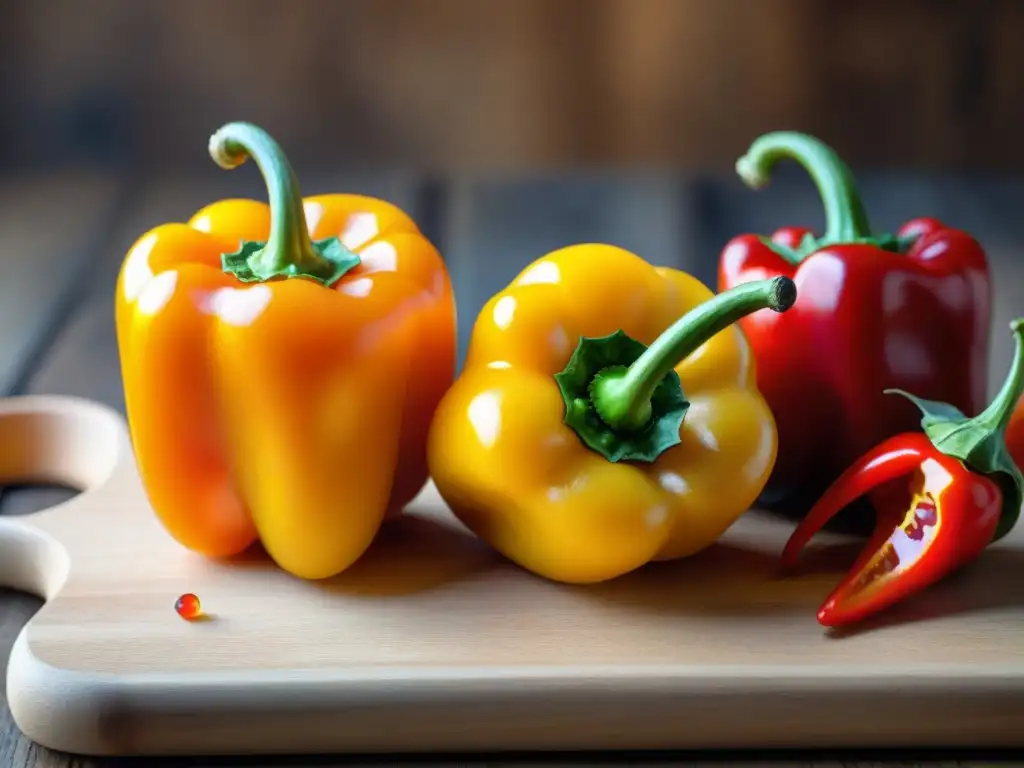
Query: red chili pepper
x=909, y=310
x=963, y=492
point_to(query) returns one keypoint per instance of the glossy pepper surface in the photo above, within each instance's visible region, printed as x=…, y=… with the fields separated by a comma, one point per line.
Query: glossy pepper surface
x=281, y=364
x=909, y=310
x=962, y=491
x=607, y=415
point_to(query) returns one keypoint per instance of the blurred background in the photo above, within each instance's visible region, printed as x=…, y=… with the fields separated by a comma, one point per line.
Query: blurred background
x=507, y=128
x=471, y=84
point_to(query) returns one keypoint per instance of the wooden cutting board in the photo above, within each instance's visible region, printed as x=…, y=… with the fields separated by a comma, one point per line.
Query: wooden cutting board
x=432, y=642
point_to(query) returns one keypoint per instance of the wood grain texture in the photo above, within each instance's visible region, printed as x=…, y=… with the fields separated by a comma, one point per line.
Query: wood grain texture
x=48, y=234
x=347, y=664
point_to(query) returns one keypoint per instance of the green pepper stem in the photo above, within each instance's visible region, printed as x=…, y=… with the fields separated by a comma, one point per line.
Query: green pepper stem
x=846, y=220
x=996, y=417
x=624, y=401
x=289, y=247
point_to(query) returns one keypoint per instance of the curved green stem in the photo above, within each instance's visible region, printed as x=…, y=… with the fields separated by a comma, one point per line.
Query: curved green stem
x=845, y=217
x=996, y=416
x=622, y=396
x=288, y=251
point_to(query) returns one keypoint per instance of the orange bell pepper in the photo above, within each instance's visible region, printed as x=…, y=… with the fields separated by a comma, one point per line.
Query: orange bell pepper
x=266, y=354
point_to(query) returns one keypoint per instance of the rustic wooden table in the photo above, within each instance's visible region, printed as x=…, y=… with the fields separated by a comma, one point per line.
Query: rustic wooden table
x=63, y=235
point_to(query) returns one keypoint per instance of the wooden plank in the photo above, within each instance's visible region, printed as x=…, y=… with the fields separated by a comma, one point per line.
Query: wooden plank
x=496, y=226
x=48, y=230
x=113, y=618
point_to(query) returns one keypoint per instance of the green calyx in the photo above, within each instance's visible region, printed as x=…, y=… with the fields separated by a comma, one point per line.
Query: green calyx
x=625, y=400
x=607, y=358
x=846, y=220
x=289, y=251
x=979, y=442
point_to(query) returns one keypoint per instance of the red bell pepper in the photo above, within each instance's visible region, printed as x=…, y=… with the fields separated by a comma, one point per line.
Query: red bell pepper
x=909, y=310
x=962, y=489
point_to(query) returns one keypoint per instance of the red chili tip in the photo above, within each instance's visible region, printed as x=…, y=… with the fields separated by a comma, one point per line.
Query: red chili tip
x=830, y=616
x=842, y=610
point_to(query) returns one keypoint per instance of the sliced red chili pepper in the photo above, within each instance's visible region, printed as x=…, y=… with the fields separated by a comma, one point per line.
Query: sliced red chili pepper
x=964, y=492
x=892, y=459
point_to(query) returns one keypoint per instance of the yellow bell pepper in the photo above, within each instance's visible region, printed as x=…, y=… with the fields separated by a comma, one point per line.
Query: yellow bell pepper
x=567, y=443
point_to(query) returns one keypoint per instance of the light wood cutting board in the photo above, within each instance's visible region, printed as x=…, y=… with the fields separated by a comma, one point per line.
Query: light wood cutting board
x=432, y=642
